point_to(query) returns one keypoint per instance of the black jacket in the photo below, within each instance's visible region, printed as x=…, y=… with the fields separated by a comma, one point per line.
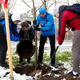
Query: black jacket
x=30, y=34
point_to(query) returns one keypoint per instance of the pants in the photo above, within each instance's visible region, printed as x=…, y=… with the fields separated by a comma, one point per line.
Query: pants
x=41, y=47
x=76, y=50
x=3, y=48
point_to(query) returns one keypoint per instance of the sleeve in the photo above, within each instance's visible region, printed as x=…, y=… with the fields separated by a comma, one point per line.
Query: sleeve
x=21, y=33
x=49, y=24
x=12, y=38
x=61, y=36
x=16, y=33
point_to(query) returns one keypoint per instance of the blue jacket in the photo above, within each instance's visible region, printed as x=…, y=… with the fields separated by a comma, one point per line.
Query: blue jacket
x=13, y=38
x=47, y=24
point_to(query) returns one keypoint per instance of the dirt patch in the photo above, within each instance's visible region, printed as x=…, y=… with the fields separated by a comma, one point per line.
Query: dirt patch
x=30, y=71
x=27, y=69
x=67, y=77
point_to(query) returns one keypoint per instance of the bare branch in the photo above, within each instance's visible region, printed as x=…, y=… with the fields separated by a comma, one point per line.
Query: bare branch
x=39, y=7
x=50, y=6
x=26, y=3
x=42, y=1
x=13, y=5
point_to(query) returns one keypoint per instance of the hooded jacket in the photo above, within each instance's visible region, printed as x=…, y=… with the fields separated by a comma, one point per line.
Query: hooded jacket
x=13, y=30
x=47, y=24
x=64, y=17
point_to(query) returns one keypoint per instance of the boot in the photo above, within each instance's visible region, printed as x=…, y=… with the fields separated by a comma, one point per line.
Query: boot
x=71, y=73
x=28, y=60
x=4, y=65
x=54, y=65
x=21, y=60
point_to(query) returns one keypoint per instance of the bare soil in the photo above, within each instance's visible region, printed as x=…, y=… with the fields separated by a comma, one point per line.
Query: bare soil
x=30, y=71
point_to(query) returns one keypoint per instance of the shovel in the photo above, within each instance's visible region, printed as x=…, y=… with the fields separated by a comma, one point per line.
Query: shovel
x=47, y=68
x=4, y=2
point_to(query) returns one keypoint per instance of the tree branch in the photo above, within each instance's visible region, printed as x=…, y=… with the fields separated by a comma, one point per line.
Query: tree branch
x=26, y=3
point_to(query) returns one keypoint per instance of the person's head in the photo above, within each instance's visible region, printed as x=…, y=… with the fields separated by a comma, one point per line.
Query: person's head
x=42, y=12
x=15, y=18
x=56, y=12
x=25, y=25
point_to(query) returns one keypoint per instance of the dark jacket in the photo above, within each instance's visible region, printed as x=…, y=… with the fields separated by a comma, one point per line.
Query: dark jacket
x=30, y=34
x=64, y=17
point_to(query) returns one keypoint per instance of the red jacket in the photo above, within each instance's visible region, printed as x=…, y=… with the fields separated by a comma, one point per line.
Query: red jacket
x=67, y=16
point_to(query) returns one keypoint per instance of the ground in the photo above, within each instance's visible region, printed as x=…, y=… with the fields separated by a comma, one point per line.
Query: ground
x=28, y=72
x=53, y=75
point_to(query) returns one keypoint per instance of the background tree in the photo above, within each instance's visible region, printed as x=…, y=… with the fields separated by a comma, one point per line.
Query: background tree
x=11, y=4
x=0, y=7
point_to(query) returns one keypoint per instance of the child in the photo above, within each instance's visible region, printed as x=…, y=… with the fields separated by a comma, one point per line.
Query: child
x=26, y=32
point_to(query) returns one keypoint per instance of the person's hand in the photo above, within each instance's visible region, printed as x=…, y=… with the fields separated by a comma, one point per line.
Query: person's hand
x=21, y=39
x=34, y=22
x=37, y=29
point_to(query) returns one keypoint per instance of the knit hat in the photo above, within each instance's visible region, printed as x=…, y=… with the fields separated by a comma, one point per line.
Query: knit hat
x=15, y=17
x=55, y=10
x=42, y=10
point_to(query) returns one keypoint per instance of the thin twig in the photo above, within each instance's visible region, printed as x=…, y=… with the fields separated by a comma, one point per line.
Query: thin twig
x=26, y=3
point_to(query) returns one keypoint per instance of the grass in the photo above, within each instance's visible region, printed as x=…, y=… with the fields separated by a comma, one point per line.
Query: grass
x=46, y=57
x=63, y=56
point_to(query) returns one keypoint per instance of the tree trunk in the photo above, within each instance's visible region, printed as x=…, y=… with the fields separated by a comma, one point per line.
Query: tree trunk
x=0, y=7
x=35, y=37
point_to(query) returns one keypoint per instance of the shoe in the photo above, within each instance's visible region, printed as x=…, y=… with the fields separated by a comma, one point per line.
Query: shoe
x=38, y=62
x=54, y=65
x=71, y=73
x=4, y=65
x=28, y=62
x=20, y=62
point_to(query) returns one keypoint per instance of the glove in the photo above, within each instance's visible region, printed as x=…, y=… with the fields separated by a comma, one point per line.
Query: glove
x=21, y=39
x=37, y=29
x=34, y=22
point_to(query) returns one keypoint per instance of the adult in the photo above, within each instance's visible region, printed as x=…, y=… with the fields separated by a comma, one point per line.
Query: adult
x=64, y=17
x=46, y=21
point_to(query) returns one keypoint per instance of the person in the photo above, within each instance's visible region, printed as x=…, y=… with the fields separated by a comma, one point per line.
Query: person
x=26, y=32
x=13, y=21
x=64, y=18
x=46, y=21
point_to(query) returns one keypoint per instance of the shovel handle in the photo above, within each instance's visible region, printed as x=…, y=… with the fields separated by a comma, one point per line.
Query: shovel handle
x=8, y=43
x=54, y=53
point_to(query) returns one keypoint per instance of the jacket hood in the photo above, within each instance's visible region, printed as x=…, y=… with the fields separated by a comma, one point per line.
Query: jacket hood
x=42, y=10
x=62, y=8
